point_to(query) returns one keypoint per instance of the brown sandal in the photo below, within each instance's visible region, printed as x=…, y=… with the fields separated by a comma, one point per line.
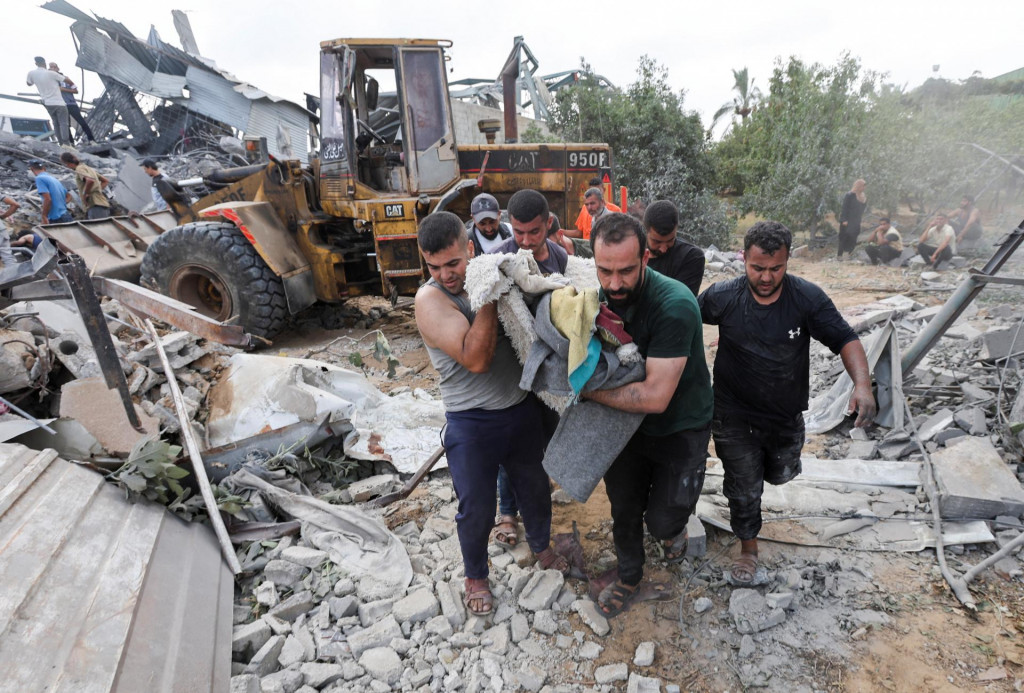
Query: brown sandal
x=506, y=532
x=675, y=549
x=744, y=569
x=616, y=598
x=549, y=559
x=478, y=589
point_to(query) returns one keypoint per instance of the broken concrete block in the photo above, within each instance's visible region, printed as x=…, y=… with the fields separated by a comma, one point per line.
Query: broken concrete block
x=974, y=481
x=996, y=343
x=643, y=684
x=304, y=556
x=293, y=606
x=948, y=436
x=936, y=422
x=366, y=489
x=100, y=411
x=320, y=675
x=611, y=673
x=644, y=656
x=417, y=607
x=284, y=573
x=249, y=638
x=451, y=603
x=591, y=616
x=541, y=590
x=370, y=612
x=382, y=663
x=862, y=450
x=245, y=683
x=973, y=393
x=751, y=613
x=290, y=652
x=696, y=537
x=265, y=661
x=379, y=634
x=971, y=420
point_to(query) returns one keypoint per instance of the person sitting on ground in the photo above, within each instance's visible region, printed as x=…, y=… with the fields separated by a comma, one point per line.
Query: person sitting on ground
x=90, y=187
x=938, y=242
x=966, y=221
x=491, y=422
x=671, y=255
x=658, y=476
x=52, y=192
x=584, y=220
x=885, y=243
x=528, y=211
x=766, y=320
x=486, y=229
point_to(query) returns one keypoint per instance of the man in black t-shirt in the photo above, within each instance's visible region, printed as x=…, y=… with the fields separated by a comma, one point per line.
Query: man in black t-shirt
x=671, y=255
x=766, y=320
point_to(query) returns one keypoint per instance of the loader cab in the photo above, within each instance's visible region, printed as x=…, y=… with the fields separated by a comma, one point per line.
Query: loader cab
x=386, y=122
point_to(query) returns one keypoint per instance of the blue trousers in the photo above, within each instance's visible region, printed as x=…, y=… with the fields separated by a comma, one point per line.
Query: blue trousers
x=506, y=498
x=476, y=443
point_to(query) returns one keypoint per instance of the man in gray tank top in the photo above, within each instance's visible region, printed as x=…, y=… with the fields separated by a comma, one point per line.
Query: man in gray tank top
x=491, y=422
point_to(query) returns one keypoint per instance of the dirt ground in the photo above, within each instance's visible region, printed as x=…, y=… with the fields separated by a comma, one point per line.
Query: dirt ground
x=929, y=643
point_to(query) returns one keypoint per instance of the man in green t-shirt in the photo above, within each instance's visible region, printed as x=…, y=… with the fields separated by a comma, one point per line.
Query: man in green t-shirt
x=658, y=476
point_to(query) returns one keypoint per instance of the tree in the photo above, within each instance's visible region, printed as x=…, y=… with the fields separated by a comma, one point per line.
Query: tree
x=745, y=100
x=660, y=150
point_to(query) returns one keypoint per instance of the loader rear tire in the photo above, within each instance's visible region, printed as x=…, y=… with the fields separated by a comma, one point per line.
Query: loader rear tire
x=210, y=265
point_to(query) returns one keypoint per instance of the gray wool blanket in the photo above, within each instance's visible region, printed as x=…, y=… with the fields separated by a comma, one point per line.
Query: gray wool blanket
x=589, y=435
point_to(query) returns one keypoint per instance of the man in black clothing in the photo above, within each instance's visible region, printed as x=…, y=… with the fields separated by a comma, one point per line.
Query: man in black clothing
x=671, y=255
x=765, y=321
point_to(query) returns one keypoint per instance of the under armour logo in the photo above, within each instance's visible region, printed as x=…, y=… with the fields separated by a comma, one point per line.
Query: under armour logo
x=793, y=334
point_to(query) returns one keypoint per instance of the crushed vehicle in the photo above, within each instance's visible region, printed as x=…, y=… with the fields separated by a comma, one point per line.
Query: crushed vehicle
x=272, y=239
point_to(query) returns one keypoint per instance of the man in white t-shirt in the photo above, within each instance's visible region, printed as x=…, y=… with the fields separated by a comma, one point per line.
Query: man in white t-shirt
x=48, y=84
x=938, y=242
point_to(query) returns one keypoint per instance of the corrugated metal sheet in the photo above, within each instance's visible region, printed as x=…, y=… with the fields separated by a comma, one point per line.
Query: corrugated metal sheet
x=167, y=86
x=264, y=119
x=100, y=594
x=213, y=96
x=99, y=54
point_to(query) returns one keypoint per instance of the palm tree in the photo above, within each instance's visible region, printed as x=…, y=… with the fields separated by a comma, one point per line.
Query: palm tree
x=743, y=103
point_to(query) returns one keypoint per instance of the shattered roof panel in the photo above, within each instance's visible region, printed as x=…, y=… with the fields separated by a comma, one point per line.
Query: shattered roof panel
x=100, y=54
x=213, y=96
x=96, y=588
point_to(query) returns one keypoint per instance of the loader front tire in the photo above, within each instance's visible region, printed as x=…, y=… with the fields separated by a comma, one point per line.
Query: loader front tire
x=211, y=266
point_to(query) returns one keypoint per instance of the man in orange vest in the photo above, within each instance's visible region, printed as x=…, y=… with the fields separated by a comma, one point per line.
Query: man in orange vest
x=585, y=220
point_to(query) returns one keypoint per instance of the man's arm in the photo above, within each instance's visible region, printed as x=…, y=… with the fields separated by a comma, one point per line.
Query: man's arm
x=942, y=246
x=972, y=220
x=443, y=326
x=12, y=207
x=862, y=401
x=47, y=203
x=649, y=396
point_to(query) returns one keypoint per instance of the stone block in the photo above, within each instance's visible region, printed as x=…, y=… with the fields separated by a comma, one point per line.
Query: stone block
x=371, y=612
x=450, y=600
x=293, y=606
x=971, y=420
x=304, y=556
x=377, y=635
x=974, y=481
x=343, y=606
x=496, y=639
x=544, y=622
x=531, y=677
x=284, y=573
x=751, y=613
x=266, y=660
x=520, y=627
x=318, y=675
x=284, y=681
x=644, y=656
x=862, y=449
x=366, y=489
x=697, y=537
x=938, y=421
x=382, y=663
x=249, y=638
x=643, y=684
x=541, y=590
x=419, y=606
x=610, y=673
x=591, y=616
x=590, y=650
x=101, y=413
x=245, y=683
x=292, y=652
x=439, y=625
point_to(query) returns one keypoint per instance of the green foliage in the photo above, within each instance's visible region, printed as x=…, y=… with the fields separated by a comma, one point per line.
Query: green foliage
x=150, y=471
x=535, y=135
x=660, y=150
x=381, y=353
x=743, y=102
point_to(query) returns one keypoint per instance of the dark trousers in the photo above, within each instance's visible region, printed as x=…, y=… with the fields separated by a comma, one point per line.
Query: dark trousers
x=657, y=480
x=506, y=498
x=881, y=253
x=76, y=113
x=476, y=443
x=847, y=241
x=926, y=251
x=753, y=452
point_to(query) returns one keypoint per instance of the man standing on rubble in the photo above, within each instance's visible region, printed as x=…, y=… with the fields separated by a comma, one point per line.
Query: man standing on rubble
x=67, y=92
x=658, y=476
x=765, y=321
x=90, y=187
x=48, y=84
x=491, y=422
x=531, y=219
x=671, y=255
x=54, y=195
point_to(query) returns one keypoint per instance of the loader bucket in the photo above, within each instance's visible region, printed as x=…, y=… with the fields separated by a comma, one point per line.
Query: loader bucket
x=111, y=247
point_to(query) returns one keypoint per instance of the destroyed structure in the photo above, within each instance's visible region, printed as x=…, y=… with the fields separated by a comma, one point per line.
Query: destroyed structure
x=323, y=571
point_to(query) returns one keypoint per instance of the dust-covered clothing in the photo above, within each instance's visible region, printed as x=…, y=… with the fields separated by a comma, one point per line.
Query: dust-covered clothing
x=556, y=260
x=763, y=361
x=47, y=83
x=95, y=197
x=683, y=262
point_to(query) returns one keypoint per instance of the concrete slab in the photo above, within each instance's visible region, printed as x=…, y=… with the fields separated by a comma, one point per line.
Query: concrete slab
x=974, y=481
x=100, y=411
x=997, y=343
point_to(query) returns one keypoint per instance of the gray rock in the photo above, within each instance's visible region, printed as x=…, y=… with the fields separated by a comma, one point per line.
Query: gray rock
x=520, y=627
x=747, y=648
x=318, y=675
x=644, y=656
x=439, y=525
x=284, y=573
x=862, y=449
x=450, y=600
x=439, y=625
x=284, y=681
x=779, y=600
x=591, y=616
x=936, y=422
x=417, y=607
x=344, y=587
x=293, y=606
x=950, y=434
x=496, y=639
x=610, y=673
x=971, y=420
x=245, y=683
x=702, y=604
x=292, y=652
x=372, y=589
x=531, y=677
x=541, y=590
x=973, y=393
x=544, y=622
x=382, y=663
x=351, y=671
x=371, y=612
x=342, y=606
x=378, y=635
x=249, y=638
x=751, y=612
x=372, y=486
x=266, y=660
x=590, y=650
x=266, y=594
x=304, y=556
x=858, y=434
x=643, y=684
